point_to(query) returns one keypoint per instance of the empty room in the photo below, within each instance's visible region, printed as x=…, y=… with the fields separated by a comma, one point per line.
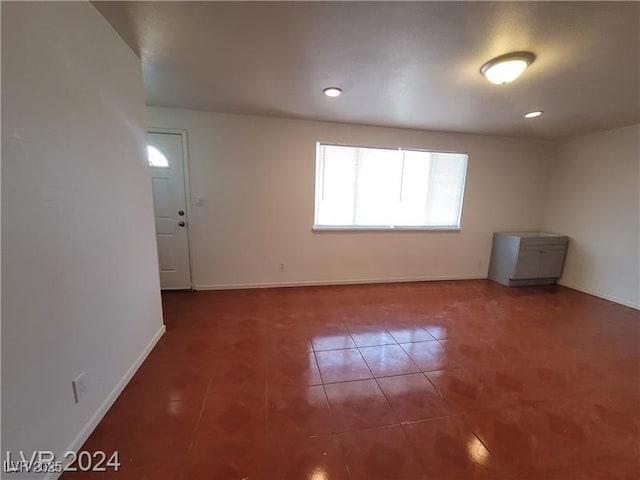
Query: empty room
x=320, y=240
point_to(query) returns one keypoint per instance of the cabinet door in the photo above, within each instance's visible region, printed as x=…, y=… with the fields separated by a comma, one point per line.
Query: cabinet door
x=552, y=262
x=528, y=264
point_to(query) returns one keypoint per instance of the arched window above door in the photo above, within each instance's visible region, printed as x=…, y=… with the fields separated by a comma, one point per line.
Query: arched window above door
x=156, y=157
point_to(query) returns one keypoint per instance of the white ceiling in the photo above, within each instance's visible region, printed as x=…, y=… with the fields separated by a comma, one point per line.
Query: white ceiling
x=403, y=64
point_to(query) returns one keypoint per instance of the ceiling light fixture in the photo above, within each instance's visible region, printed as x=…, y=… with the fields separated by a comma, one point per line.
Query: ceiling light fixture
x=332, y=91
x=506, y=68
x=533, y=114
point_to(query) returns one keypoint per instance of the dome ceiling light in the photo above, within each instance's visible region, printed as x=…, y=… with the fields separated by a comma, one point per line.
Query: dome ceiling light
x=332, y=91
x=506, y=68
x=534, y=114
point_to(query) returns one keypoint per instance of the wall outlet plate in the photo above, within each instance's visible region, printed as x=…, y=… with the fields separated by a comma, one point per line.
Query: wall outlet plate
x=80, y=387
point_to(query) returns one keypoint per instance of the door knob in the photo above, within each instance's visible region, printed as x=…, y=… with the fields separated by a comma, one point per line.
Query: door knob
x=182, y=224
x=181, y=213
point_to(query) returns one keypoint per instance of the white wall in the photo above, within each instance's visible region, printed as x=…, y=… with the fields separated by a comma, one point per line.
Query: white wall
x=79, y=265
x=256, y=176
x=594, y=198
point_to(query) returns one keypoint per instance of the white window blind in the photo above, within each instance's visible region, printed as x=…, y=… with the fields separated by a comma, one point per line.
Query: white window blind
x=383, y=188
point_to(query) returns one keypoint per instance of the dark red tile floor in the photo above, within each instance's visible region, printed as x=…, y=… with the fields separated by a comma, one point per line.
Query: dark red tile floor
x=440, y=380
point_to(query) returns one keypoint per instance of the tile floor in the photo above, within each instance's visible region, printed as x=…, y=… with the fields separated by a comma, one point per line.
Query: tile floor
x=439, y=380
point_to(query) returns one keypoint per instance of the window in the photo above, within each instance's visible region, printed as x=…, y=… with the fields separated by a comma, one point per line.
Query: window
x=156, y=157
x=359, y=187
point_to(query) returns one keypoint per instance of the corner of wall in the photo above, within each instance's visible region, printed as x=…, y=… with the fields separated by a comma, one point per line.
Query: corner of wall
x=551, y=164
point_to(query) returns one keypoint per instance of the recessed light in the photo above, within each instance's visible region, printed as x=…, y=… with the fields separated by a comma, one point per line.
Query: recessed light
x=534, y=114
x=332, y=91
x=506, y=68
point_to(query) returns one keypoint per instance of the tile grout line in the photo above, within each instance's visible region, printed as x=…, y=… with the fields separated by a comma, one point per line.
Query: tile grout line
x=404, y=432
x=334, y=434
x=420, y=371
x=441, y=341
x=377, y=383
x=424, y=374
x=373, y=376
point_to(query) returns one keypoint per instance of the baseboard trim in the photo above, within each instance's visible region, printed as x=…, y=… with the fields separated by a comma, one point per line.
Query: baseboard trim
x=365, y=281
x=595, y=293
x=77, y=442
x=318, y=283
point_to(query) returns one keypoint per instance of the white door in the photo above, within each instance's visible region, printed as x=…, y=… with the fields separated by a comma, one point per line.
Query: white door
x=166, y=160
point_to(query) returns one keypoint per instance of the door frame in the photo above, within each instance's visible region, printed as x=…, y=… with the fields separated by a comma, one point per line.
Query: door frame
x=187, y=192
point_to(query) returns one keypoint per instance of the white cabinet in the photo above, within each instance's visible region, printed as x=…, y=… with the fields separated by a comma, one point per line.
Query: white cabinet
x=552, y=261
x=527, y=258
x=527, y=264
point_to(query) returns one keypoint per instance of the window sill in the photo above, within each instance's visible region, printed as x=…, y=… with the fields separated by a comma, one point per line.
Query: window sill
x=325, y=228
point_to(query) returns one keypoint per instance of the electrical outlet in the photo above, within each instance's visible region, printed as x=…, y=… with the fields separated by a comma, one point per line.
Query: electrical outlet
x=283, y=267
x=80, y=387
